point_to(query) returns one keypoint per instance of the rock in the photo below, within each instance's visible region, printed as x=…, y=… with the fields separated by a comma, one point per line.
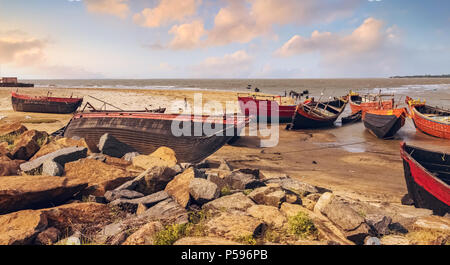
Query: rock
x=119, y=162
x=99, y=176
x=178, y=188
x=122, y=194
x=167, y=211
x=33, y=192
x=407, y=200
x=73, y=240
x=205, y=241
x=224, y=165
x=59, y=144
x=21, y=228
x=372, y=241
x=129, y=156
x=131, y=205
x=238, y=180
x=297, y=187
x=237, y=201
x=292, y=198
x=51, y=168
x=290, y=210
x=141, y=209
x=97, y=199
x=61, y=157
x=235, y=227
x=379, y=223
x=109, y=145
x=343, y=216
x=9, y=167
x=4, y=149
x=269, y=214
x=163, y=156
x=11, y=129
x=97, y=156
x=268, y=195
x=27, y=144
x=151, y=180
x=394, y=240
x=144, y=235
x=436, y=223
x=48, y=236
x=217, y=177
x=203, y=191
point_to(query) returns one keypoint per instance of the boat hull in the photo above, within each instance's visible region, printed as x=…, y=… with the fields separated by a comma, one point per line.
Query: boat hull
x=366, y=106
x=147, y=132
x=428, y=125
x=306, y=117
x=44, y=104
x=266, y=109
x=426, y=190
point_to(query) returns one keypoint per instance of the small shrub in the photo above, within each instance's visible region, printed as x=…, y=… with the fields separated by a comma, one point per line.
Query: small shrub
x=9, y=138
x=301, y=225
x=246, y=239
x=225, y=191
x=170, y=234
x=247, y=192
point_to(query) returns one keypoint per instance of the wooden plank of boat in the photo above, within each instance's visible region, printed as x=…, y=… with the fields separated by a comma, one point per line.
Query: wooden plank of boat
x=145, y=132
x=384, y=123
x=429, y=120
x=284, y=113
x=355, y=117
x=27, y=103
x=428, y=188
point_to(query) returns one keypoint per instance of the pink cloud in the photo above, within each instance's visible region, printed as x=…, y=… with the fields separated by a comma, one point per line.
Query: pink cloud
x=187, y=36
x=236, y=64
x=18, y=48
x=117, y=8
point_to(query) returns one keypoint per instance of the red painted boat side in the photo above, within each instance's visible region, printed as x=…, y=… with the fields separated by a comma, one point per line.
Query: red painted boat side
x=285, y=112
x=425, y=179
x=46, y=99
x=428, y=125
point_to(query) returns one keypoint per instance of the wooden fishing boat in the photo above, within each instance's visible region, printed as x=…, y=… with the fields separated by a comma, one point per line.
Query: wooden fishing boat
x=429, y=120
x=384, y=123
x=355, y=117
x=315, y=114
x=369, y=102
x=27, y=103
x=262, y=107
x=193, y=138
x=427, y=175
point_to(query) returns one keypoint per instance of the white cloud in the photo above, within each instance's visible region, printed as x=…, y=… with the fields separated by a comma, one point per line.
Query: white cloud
x=237, y=64
x=187, y=36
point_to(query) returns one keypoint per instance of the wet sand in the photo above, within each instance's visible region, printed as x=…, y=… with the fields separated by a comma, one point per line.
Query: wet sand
x=348, y=159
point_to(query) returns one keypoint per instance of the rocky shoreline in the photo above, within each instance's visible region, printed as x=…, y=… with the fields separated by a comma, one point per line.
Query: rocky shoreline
x=55, y=190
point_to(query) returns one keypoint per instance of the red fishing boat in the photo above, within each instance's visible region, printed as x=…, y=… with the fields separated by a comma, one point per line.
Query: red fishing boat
x=429, y=120
x=314, y=114
x=27, y=103
x=384, y=123
x=368, y=102
x=264, y=107
x=427, y=175
x=193, y=138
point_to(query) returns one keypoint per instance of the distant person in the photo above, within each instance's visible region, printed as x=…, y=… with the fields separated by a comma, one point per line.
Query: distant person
x=256, y=89
x=249, y=86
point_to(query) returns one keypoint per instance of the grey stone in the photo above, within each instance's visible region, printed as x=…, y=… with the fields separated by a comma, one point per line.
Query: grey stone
x=379, y=223
x=113, y=195
x=61, y=157
x=268, y=196
x=109, y=145
x=97, y=199
x=51, y=168
x=297, y=187
x=148, y=201
x=129, y=156
x=167, y=211
x=97, y=156
x=237, y=201
x=203, y=190
x=372, y=241
x=240, y=181
x=48, y=236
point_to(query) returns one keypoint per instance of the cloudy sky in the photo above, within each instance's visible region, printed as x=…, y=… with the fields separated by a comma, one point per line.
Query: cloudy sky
x=223, y=38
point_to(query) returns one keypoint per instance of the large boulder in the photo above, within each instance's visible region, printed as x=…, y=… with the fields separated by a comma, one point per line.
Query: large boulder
x=131, y=205
x=21, y=228
x=109, y=145
x=144, y=235
x=168, y=212
x=59, y=144
x=237, y=201
x=178, y=188
x=203, y=190
x=239, y=180
x=61, y=157
x=27, y=144
x=163, y=156
x=272, y=196
x=33, y=192
x=100, y=176
x=293, y=185
x=269, y=214
x=204, y=241
x=234, y=226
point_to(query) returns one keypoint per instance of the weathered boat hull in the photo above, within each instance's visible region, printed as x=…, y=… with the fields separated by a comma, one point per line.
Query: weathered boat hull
x=263, y=109
x=306, y=116
x=427, y=189
x=384, y=124
x=356, y=105
x=147, y=132
x=16, y=85
x=426, y=124
x=353, y=118
x=45, y=104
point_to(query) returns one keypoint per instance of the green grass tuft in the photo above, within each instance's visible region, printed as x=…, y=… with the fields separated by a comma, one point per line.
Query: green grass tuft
x=170, y=234
x=301, y=225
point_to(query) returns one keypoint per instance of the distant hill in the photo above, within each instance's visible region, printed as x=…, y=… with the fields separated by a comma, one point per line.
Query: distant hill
x=422, y=76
